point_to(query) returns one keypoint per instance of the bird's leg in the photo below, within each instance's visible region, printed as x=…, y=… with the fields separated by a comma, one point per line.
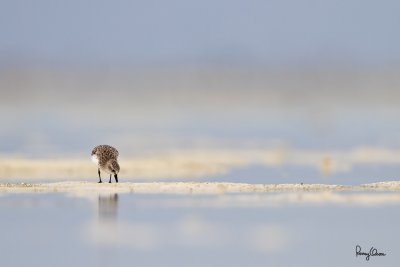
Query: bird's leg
x=98, y=170
x=116, y=178
x=110, y=179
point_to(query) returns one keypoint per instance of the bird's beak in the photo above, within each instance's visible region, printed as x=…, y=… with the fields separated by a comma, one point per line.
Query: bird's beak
x=116, y=177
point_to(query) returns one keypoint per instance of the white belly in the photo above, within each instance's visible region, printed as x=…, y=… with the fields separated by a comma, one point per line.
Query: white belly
x=95, y=159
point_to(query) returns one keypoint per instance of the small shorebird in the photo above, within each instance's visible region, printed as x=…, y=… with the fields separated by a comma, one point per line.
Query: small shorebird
x=106, y=158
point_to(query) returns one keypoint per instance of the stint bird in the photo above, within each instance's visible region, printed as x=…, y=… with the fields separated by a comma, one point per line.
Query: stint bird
x=106, y=158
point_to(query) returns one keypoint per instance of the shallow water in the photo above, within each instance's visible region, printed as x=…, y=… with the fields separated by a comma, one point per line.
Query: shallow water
x=56, y=229
x=361, y=174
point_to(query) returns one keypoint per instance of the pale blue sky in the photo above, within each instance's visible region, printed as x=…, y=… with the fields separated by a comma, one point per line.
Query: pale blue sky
x=278, y=32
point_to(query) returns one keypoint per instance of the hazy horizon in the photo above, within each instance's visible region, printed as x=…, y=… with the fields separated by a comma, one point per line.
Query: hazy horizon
x=228, y=33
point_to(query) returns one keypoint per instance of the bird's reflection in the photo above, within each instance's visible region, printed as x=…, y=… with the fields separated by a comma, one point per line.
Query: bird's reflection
x=108, y=208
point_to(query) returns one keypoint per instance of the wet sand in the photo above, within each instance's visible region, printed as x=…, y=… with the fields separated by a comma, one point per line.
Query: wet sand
x=228, y=194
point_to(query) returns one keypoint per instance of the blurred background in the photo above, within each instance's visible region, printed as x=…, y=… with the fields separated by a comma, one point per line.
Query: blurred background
x=246, y=91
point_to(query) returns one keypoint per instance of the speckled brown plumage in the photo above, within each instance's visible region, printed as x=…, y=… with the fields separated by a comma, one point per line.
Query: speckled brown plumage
x=106, y=157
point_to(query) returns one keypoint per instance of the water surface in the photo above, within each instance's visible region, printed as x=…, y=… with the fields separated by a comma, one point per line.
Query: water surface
x=55, y=229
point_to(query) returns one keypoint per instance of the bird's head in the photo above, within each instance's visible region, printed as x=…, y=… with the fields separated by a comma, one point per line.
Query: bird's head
x=95, y=158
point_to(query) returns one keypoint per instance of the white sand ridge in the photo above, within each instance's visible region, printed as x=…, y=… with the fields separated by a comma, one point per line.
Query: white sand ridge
x=222, y=195
x=190, y=187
